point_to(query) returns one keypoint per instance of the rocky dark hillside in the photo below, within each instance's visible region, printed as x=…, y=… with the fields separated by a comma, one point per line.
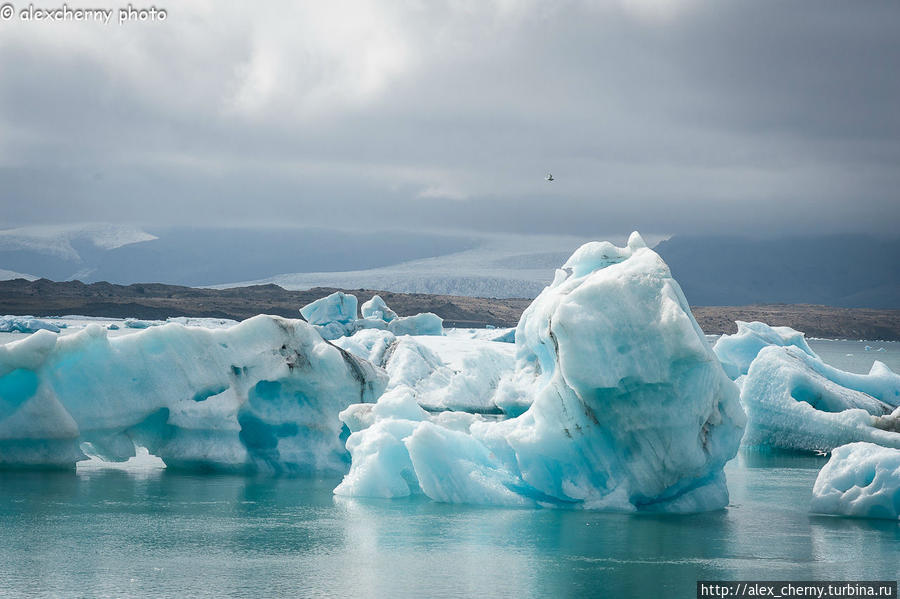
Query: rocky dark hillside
x=155, y=301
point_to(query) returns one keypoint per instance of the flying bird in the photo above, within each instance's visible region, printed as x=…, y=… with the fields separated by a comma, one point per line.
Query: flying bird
x=549, y=177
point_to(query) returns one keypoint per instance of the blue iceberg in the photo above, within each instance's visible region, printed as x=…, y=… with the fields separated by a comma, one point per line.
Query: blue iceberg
x=25, y=324
x=627, y=407
x=424, y=323
x=261, y=396
x=334, y=317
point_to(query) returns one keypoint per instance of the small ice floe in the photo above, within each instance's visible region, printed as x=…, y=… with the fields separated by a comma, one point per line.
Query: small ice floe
x=860, y=480
x=25, y=324
x=141, y=461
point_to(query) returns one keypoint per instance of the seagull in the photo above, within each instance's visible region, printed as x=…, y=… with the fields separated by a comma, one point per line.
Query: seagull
x=549, y=177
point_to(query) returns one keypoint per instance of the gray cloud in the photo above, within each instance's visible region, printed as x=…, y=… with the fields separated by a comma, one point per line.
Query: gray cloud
x=665, y=116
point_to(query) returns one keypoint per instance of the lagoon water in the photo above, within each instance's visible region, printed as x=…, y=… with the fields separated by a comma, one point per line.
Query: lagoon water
x=143, y=533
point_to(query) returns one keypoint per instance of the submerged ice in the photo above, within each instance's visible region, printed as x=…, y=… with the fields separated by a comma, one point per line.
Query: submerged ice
x=263, y=395
x=624, y=406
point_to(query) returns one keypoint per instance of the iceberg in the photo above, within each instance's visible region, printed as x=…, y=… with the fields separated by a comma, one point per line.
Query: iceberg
x=737, y=351
x=629, y=408
x=134, y=323
x=794, y=401
x=337, y=307
x=442, y=373
x=507, y=337
x=261, y=396
x=860, y=480
x=424, y=323
x=334, y=317
x=377, y=309
x=25, y=324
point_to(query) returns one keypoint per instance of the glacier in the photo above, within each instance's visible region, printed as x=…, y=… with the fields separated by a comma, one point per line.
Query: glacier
x=860, y=480
x=627, y=409
x=261, y=396
x=794, y=401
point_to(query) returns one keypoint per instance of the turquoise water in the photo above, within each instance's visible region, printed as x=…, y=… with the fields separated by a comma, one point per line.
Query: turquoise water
x=853, y=356
x=118, y=534
x=103, y=533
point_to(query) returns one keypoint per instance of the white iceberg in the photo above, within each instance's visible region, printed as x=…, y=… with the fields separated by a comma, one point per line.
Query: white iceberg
x=794, y=401
x=25, y=324
x=263, y=395
x=737, y=351
x=860, y=480
x=631, y=409
x=442, y=373
x=377, y=309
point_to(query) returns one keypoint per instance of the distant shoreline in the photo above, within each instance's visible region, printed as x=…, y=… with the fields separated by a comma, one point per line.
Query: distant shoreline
x=158, y=301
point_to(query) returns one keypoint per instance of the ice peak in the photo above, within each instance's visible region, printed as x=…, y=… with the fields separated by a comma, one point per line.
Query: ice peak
x=597, y=255
x=635, y=241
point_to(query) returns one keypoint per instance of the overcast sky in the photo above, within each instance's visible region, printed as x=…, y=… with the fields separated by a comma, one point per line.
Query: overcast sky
x=666, y=116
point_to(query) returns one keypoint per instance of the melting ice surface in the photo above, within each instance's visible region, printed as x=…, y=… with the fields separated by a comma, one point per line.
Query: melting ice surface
x=623, y=406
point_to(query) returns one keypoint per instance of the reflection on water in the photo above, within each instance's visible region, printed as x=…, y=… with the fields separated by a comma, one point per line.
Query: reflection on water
x=154, y=533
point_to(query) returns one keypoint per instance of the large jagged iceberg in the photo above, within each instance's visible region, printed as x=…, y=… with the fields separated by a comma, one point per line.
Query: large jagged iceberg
x=737, y=351
x=795, y=401
x=630, y=408
x=861, y=480
x=263, y=395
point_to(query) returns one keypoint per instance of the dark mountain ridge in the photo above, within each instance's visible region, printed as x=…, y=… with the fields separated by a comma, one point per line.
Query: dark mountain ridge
x=158, y=301
x=851, y=271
